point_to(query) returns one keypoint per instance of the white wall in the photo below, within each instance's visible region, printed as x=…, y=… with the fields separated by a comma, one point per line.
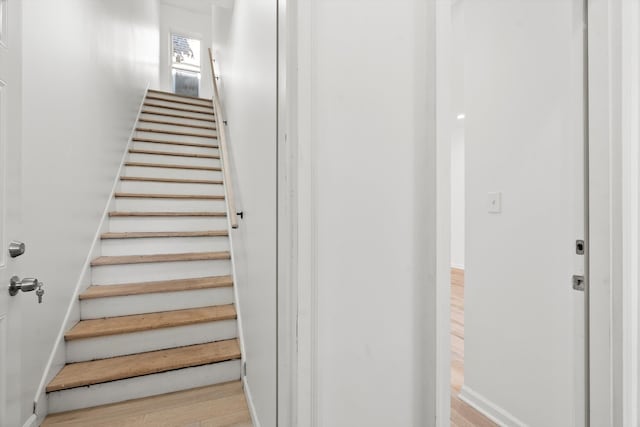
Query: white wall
x=457, y=137
x=86, y=65
x=195, y=24
x=246, y=55
x=368, y=150
x=457, y=197
x=523, y=325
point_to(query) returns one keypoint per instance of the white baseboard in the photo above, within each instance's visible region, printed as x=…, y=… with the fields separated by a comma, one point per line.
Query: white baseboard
x=249, y=397
x=31, y=421
x=458, y=266
x=489, y=409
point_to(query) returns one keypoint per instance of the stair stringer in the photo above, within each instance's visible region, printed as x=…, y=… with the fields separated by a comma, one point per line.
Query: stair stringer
x=57, y=357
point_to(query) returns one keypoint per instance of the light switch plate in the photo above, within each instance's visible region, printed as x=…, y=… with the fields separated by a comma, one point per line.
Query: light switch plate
x=494, y=202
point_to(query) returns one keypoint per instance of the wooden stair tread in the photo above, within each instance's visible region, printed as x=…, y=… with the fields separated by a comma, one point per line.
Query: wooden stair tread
x=213, y=406
x=187, y=110
x=142, y=259
x=178, y=116
x=146, y=322
x=168, y=214
x=179, y=95
x=165, y=122
x=172, y=166
x=175, y=132
x=135, y=365
x=173, y=153
x=127, y=289
x=172, y=180
x=169, y=196
x=186, y=144
x=147, y=234
x=179, y=101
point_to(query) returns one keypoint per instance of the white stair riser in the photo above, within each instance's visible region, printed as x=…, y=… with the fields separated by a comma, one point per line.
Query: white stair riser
x=203, y=108
x=170, y=188
x=163, y=245
x=190, y=223
x=178, y=138
x=154, y=172
x=171, y=97
x=175, y=148
x=174, y=160
x=207, y=116
x=174, y=128
x=146, y=272
x=159, y=339
x=168, y=205
x=210, y=119
x=144, y=386
x=153, y=303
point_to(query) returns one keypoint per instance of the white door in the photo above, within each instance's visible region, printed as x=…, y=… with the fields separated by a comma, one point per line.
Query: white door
x=10, y=202
x=524, y=329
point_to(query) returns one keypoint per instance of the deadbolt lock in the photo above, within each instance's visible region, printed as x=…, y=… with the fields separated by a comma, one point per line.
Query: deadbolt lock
x=16, y=248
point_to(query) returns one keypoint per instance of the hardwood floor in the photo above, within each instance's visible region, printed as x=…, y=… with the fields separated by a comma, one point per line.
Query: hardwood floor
x=221, y=405
x=462, y=415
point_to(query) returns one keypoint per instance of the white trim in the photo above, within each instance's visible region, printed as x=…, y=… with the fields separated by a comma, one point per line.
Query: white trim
x=605, y=213
x=58, y=351
x=630, y=209
x=305, y=225
x=444, y=130
x=31, y=421
x=250, y=405
x=489, y=409
x=287, y=297
x=457, y=266
x=3, y=173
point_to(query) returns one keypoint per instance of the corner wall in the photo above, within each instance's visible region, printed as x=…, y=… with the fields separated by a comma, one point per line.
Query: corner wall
x=86, y=66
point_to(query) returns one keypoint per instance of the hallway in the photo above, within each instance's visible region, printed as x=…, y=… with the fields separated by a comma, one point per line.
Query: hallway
x=242, y=213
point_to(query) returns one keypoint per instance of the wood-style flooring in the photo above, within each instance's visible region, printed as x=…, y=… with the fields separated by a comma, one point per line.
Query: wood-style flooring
x=462, y=415
x=221, y=405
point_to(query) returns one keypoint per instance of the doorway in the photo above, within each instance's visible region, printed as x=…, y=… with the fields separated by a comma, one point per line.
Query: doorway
x=517, y=213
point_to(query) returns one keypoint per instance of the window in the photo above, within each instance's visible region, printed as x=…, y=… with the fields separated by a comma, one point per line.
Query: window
x=185, y=65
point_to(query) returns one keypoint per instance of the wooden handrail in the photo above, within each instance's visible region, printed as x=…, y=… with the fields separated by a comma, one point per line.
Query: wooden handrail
x=222, y=142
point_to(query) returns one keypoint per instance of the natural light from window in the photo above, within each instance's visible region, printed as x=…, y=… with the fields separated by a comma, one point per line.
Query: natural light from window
x=185, y=65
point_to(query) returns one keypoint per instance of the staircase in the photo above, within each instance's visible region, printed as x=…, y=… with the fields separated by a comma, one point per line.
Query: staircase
x=159, y=316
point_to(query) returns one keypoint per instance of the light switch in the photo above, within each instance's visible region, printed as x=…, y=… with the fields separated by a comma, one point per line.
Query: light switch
x=495, y=202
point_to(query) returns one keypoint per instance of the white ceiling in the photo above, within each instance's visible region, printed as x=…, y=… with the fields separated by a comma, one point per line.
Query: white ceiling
x=200, y=6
